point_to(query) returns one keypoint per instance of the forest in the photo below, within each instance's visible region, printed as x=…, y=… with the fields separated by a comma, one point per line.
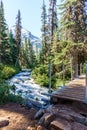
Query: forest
x=63, y=54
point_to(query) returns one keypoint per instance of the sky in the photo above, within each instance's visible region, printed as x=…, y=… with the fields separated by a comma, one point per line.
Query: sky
x=30, y=14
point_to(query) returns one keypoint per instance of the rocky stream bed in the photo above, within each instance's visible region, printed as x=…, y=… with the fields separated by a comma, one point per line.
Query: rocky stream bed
x=33, y=94
x=64, y=115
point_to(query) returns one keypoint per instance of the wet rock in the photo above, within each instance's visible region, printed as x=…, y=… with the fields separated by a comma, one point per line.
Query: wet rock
x=78, y=126
x=39, y=114
x=46, y=119
x=79, y=119
x=85, y=121
x=66, y=113
x=40, y=128
x=65, y=116
x=60, y=124
x=53, y=109
x=35, y=128
x=70, y=115
x=54, y=100
x=4, y=123
x=31, y=128
x=60, y=113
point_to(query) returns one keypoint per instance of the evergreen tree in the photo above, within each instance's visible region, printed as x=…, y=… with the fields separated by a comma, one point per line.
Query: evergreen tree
x=74, y=27
x=52, y=18
x=44, y=33
x=13, y=48
x=4, y=45
x=80, y=19
x=18, y=35
x=74, y=20
x=38, y=54
x=28, y=54
x=32, y=54
x=55, y=48
x=52, y=23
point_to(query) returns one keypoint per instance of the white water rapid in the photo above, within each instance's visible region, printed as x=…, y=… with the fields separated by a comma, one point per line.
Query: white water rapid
x=33, y=93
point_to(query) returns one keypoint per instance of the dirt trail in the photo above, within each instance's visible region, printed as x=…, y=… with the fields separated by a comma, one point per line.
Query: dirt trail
x=19, y=117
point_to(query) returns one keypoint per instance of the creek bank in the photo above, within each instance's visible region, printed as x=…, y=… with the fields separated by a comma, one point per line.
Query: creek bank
x=33, y=94
x=63, y=116
x=67, y=116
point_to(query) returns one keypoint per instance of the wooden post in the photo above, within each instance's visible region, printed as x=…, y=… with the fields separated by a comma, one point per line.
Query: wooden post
x=76, y=70
x=50, y=76
x=86, y=83
x=63, y=75
x=80, y=68
x=71, y=69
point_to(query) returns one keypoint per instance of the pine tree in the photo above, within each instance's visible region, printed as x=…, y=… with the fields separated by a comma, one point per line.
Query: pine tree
x=13, y=47
x=37, y=53
x=74, y=20
x=52, y=18
x=4, y=45
x=80, y=19
x=44, y=32
x=18, y=35
x=74, y=27
x=28, y=54
x=55, y=43
x=52, y=23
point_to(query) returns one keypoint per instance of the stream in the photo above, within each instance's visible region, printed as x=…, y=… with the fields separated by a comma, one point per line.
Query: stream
x=32, y=93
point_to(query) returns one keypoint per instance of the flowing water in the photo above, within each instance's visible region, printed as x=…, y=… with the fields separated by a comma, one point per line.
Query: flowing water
x=33, y=94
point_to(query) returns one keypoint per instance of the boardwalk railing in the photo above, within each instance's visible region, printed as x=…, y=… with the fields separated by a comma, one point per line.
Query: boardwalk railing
x=76, y=89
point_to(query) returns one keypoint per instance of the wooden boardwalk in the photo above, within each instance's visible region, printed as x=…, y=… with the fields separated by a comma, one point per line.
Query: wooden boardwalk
x=74, y=90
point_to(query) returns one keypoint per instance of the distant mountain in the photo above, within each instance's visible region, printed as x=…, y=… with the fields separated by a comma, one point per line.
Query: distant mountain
x=27, y=34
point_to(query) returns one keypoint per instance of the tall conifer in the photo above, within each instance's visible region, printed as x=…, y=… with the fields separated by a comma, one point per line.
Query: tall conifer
x=74, y=27
x=44, y=32
x=52, y=23
x=18, y=35
x=4, y=45
x=13, y=47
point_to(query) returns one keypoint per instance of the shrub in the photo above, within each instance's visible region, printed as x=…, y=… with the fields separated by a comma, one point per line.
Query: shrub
x=8, y=71
x=40, y=75
x=6, y=96
x=1, y=66
x=42, y=79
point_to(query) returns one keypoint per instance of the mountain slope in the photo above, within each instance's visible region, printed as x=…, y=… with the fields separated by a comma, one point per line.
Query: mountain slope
x=36, y=41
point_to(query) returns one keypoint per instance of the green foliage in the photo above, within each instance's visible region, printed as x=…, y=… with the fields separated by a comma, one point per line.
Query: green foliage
x=18, y=37
x=7, y=71
x=14, y=98
x=13, y=48
x=42, y=80
x=28, y=58
x=4, y=92
x=44, y=30
x=4, y=45
x=40, y=74
x=6, y=96
x=58, y=83
x=5, y=89
x=1, y=66
x=73, y=14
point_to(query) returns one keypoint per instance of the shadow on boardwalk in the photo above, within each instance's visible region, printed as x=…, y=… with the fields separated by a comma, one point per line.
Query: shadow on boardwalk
x=73, y=91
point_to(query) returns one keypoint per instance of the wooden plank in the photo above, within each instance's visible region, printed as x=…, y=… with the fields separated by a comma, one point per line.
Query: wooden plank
x=72, y=95
x=76, y=97
x=70, y=98
x=73, y=91
x=76, y=92
x=69, y=93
